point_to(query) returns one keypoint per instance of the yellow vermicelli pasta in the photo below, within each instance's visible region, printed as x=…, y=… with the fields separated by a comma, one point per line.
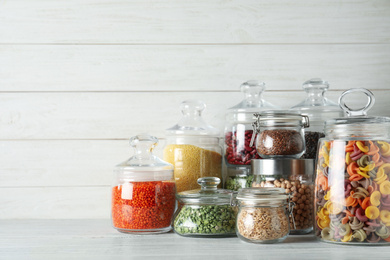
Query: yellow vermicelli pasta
x=192, y=162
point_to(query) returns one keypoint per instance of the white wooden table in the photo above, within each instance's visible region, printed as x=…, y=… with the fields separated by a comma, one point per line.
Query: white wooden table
x=96, y=239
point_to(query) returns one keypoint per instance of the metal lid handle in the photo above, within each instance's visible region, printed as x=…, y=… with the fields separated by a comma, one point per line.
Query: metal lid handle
x=361, y=111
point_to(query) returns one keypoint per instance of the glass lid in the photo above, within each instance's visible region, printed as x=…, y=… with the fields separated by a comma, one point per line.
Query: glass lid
x=263, y=194
x=192, y=123
x=357, y=122
x=316, y=105
x=281, y=118
x=143, y=165
x=252, y=103
x=207, y=194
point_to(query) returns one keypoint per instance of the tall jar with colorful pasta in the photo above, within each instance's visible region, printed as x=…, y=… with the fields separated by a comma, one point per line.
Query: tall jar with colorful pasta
x=352, y=187
x=143, y=191
x=193, y=147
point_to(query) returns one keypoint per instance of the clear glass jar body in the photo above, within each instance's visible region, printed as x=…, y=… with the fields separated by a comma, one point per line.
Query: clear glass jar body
x=280, y=142
x=142, y=207
x=352, y=191
x=300, y=186
x=193, y=157
x=257, y=223
x=206, y=220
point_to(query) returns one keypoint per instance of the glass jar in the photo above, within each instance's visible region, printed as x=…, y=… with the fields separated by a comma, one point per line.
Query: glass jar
x=193, y=147
x=263, y=215
x=237, y=178
x=238, y=128
x=143, y=191
x=280, y=134
x=296, y=177
x=205, y=212
x=319, y=109
x=352, y=188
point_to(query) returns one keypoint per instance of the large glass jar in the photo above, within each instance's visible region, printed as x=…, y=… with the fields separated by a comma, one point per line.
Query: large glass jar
x=238, y=128
x=280, y=134
x=319, y=109
x=296, y=177
x=263, y=215
x=205, y=212
x=352, y=188
x=143, y=192
x=193, y=147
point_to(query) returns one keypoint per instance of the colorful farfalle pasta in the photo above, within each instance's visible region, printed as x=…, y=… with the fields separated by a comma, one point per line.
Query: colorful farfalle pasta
x=353, y=191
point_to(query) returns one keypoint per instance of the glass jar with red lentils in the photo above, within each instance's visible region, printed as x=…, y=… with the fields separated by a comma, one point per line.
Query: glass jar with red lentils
x=238, y=152
x=296, y=177
x=143, y=191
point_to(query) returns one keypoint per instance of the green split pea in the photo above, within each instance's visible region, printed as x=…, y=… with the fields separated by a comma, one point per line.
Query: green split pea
x=205, y=220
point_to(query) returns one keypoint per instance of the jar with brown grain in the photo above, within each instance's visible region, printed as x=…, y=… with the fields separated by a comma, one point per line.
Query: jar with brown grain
x=296, y=177
x=280, y=134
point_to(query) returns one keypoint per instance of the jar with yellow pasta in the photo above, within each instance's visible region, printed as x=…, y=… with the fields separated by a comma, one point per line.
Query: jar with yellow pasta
x=193, y=147
x=352, y=187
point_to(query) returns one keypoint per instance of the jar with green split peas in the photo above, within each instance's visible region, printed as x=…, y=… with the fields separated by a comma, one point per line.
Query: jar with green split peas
x=238, y=177
x=143, y=191
x=193, y=147
x=352, y=187
x=296, y=177
x=279, y=134
x=319, y=109
x=205, y=212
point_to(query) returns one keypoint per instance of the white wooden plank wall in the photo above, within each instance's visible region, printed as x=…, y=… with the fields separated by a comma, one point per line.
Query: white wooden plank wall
x=78, y=78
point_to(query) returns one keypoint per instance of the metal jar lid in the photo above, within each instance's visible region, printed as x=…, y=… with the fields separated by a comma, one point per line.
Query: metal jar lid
x=283, y=167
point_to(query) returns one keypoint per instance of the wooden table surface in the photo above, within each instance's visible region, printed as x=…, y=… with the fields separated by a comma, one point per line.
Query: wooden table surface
x=96, y=239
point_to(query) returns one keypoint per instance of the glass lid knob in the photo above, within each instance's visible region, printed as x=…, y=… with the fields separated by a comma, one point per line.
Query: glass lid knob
x=360, y=111
x=143, y=145
x=209, y=183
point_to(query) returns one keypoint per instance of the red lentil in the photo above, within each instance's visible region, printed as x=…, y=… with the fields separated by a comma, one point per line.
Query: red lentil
x=151, y=205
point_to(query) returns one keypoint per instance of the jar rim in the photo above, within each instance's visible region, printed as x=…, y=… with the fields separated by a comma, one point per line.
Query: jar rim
x=263, y=194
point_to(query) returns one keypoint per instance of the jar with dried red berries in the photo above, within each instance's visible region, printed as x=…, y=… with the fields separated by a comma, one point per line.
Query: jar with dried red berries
x=238, y=128
x=280, y=134
x=143, y=191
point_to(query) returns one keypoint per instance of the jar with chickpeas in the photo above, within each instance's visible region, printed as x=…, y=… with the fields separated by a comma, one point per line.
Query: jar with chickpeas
x=296, y=177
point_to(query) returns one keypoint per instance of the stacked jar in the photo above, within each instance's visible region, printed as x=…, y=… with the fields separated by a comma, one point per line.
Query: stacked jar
x=280, y=142
x=193, y=147
x=238, y=133
x=143, y=192
x=295, y=176
x=352, y=187
x=319, y=109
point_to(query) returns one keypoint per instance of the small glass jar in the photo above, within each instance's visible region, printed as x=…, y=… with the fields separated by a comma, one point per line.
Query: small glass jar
x=238, y=177
x=143, y=191
x=193, y=147
x=319, y=109
x=296, y=177
x=352, y=187
x=205, y=212
x=263, y=215
x=280, y=134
